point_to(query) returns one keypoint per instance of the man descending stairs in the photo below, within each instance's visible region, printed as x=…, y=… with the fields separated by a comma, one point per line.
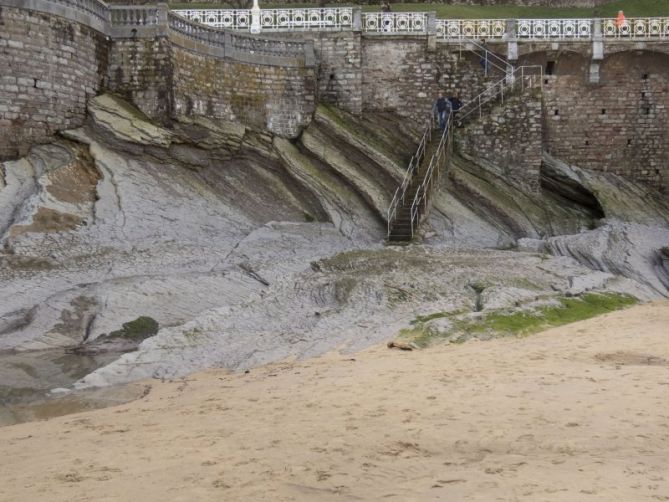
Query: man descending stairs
x=412, y=198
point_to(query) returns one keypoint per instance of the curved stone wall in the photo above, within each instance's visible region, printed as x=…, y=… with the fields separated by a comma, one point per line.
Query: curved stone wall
x=50, y=66
x=56, y=53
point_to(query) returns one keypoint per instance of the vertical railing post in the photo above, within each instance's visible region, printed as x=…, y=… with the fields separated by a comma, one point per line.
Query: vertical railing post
x=357, y=19
x=431, y=31
x=255, y=18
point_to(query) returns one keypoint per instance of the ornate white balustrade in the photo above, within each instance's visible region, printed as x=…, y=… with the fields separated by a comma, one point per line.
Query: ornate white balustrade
x=634, y=28
x=446, y=30
x=235, y=19
x=273, y=19
x=395, y=22
x=554, y=29
x=457, y=29
x=306, y=19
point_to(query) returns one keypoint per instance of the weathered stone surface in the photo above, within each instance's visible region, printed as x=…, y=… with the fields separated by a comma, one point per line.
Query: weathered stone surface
x=125, y=122
x=248, y=248
x=49, y=70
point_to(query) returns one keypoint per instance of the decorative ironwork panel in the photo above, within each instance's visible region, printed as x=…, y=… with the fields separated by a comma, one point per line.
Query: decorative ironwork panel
x=554, y=29
x=273, y=19
x=306, y=19
x=457, y=29
x=395, y=22
x=635, y=28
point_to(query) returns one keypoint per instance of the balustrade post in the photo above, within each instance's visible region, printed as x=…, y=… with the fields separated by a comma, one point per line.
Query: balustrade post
x=161, y=18
x=511, y=41
x=357, y=19
x=597, y=51
x=431, y=30
x=255, y=18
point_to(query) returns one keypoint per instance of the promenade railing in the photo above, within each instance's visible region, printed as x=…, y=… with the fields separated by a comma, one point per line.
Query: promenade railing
x=446, y=30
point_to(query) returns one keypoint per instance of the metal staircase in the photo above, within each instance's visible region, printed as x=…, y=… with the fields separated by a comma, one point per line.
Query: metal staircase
x=411, y=201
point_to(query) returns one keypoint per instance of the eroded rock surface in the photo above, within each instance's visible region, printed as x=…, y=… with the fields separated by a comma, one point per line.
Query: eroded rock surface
x=246, y=248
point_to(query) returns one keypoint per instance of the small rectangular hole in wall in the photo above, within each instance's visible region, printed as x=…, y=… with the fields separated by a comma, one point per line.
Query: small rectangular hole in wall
x=647, y=111
x=550, y=67
x=629, y=142
x=587, y=143
x=643, y=94
x=603, y=111
x=545, y=81
x=644, y=76
x=557, y=112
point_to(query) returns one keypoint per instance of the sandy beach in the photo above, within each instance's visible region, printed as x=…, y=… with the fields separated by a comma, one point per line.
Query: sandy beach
x=579, y=412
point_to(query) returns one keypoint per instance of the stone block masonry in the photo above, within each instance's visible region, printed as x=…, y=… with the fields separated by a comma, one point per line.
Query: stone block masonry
x=602, y=110
x=140, y=69
x=55, y=55
x=400, y=73
x=618, y=125
x=279, y=99
x=50, y=67
x=509, y=140
x=340, y=72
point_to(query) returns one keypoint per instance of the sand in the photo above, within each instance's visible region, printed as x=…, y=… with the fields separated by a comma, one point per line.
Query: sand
x=575, y=413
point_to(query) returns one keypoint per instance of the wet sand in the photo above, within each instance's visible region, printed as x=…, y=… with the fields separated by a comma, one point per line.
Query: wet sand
x=579, y=412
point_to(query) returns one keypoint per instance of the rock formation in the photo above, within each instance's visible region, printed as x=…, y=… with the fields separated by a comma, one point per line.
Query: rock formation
x=246, y=248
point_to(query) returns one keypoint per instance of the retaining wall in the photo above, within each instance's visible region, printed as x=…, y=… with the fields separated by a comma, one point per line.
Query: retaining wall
x=509, y=139
x=617, y=125
x=50, y=66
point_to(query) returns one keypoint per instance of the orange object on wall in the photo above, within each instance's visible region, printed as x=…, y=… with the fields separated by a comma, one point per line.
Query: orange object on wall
x=620, y=19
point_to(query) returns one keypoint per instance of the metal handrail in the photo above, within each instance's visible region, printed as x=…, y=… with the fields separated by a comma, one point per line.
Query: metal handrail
x=490, y=57
x=414, y=164
x=520, y=74
x=439, y=157
x=421, y=199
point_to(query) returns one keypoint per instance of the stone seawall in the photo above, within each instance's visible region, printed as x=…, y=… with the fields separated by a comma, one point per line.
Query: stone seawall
x=405, y=75
x=50, y=67
x=617, y=125
x=279, y=99
x=141, y=71
x=55, y=55
x=509, y=139
x=603, y=109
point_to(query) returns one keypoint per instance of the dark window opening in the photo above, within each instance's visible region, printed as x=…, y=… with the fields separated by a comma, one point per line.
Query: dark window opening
x=629, y=142
x=550, y=68
x=645, y=76
x=35, y=83
x=587, y=143
x=603, y=111
x=546, y=81
x=557, y=112
x=332, y=76
x=647, y=111
x=643, y=94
